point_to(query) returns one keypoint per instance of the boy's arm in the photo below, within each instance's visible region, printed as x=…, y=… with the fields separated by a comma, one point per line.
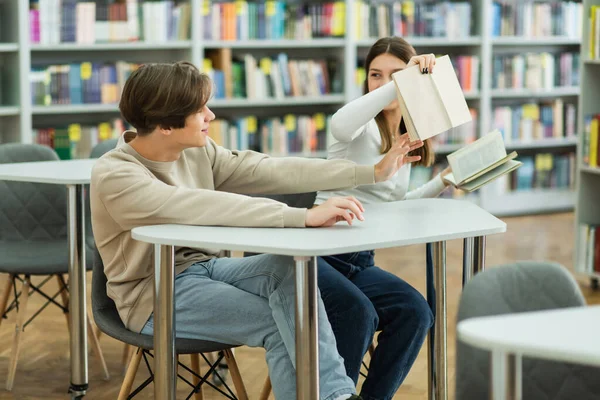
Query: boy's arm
x=256, y=173
x=134, y=198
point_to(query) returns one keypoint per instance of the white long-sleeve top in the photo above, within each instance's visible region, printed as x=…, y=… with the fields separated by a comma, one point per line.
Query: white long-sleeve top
x=357, y=138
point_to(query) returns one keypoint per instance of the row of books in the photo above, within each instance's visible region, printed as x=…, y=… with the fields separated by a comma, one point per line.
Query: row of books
x=535, y=70
x=412, y=19
x=467, y=68
x=591, y=132
x=79, y=83
x=536, y=121
x=277, y=136
x=537, y=19
x=278, y=77
x=76, y=141
x=594, y=33
x=588, y=251
x=540, y=171
x=88, y=22
x=272, y=19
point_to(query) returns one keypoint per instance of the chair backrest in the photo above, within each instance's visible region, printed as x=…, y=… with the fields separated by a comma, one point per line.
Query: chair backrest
x=514, y=288
x=300, y=200
x=31, y=211
x=103, y=147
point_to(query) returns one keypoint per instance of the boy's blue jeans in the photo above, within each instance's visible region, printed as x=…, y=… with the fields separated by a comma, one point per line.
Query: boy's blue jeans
x=361, y=299
x=250, y=301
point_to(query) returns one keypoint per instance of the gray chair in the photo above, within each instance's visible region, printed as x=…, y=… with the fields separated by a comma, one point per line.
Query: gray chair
x=103, y=147
x=514, y=288
x=33, y=242
x=108, y=320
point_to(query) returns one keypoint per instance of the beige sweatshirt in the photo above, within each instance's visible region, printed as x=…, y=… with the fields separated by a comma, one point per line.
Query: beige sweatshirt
x=203, y=187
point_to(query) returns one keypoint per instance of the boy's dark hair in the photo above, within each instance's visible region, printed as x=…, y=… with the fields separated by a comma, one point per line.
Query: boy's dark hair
x=163, y=95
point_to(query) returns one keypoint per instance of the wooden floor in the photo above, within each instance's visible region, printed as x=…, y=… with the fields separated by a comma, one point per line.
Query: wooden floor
x=43, y=371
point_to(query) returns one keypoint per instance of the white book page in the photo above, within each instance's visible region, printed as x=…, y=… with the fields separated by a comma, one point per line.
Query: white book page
x=477, y=156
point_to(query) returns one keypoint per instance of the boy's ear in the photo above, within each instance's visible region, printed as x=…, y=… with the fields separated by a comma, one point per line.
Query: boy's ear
x=165, y=130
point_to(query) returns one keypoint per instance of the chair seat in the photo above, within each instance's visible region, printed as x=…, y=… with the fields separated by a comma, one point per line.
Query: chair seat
x=109, y=322
x=43, y=257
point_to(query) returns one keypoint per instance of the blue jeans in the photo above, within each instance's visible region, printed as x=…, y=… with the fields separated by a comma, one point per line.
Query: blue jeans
x=361, y=299
x=250, y=301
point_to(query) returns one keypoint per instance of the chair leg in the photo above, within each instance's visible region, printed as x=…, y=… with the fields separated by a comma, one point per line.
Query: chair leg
x=236, y=377
x=130, y=375
x=371, y=350
x=65, y=299
x=126, y=356
x=195, y=358
x=14, y=357
x=96, y=346
x=266, y=390
x=6, y=295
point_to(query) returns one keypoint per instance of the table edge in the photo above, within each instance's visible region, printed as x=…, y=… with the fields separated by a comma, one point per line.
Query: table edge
x=292, y=252
x=530, y=350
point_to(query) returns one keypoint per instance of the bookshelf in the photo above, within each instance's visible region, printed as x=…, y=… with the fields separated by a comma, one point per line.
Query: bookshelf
x=587, y=212
x=18, y=116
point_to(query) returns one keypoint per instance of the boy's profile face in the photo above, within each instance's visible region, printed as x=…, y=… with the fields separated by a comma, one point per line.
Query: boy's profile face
x=195, y=131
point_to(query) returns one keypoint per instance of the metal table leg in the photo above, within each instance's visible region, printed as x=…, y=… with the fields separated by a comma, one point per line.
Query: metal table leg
x=307, y=348
x=164, y=322
x=506, y=376
x=437, y=360
x=77, y=297
x=473, y=257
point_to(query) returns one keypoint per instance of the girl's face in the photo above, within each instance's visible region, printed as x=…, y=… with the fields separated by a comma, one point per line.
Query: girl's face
x=380, y=72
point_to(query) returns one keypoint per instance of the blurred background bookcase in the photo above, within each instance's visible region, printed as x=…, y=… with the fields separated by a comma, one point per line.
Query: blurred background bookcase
x=281, y=69
x=587, y=210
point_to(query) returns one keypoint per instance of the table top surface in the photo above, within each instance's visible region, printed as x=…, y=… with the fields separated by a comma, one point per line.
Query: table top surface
x=65, y=172
x=565, y=334
x=386, y=225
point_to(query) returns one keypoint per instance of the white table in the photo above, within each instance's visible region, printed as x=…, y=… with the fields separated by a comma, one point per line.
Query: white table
x=565, y=334
x=387, y=225
x=74, y=174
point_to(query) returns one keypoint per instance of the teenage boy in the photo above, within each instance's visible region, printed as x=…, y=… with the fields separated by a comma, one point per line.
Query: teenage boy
x=170, y=171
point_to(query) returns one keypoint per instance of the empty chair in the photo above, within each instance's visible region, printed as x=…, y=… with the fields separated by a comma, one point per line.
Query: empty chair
x=33, y=242
x=514, y=288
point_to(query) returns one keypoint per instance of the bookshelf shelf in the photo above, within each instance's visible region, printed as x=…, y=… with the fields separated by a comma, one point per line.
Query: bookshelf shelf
x=430, y=41
x=590, y=170
x=532, y=145
x=534, y=41
x=537, y=93
x=591, y=62
x=531, y=202
x=472, y=95
x=274, y=44
x=74, y=108
x=123, y=46
x=8, y=47
x=543, y=143
x=271, y=102
x=6, y=111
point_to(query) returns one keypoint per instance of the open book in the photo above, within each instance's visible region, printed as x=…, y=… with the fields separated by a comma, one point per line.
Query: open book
x=481, y=162
x=431, y=103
